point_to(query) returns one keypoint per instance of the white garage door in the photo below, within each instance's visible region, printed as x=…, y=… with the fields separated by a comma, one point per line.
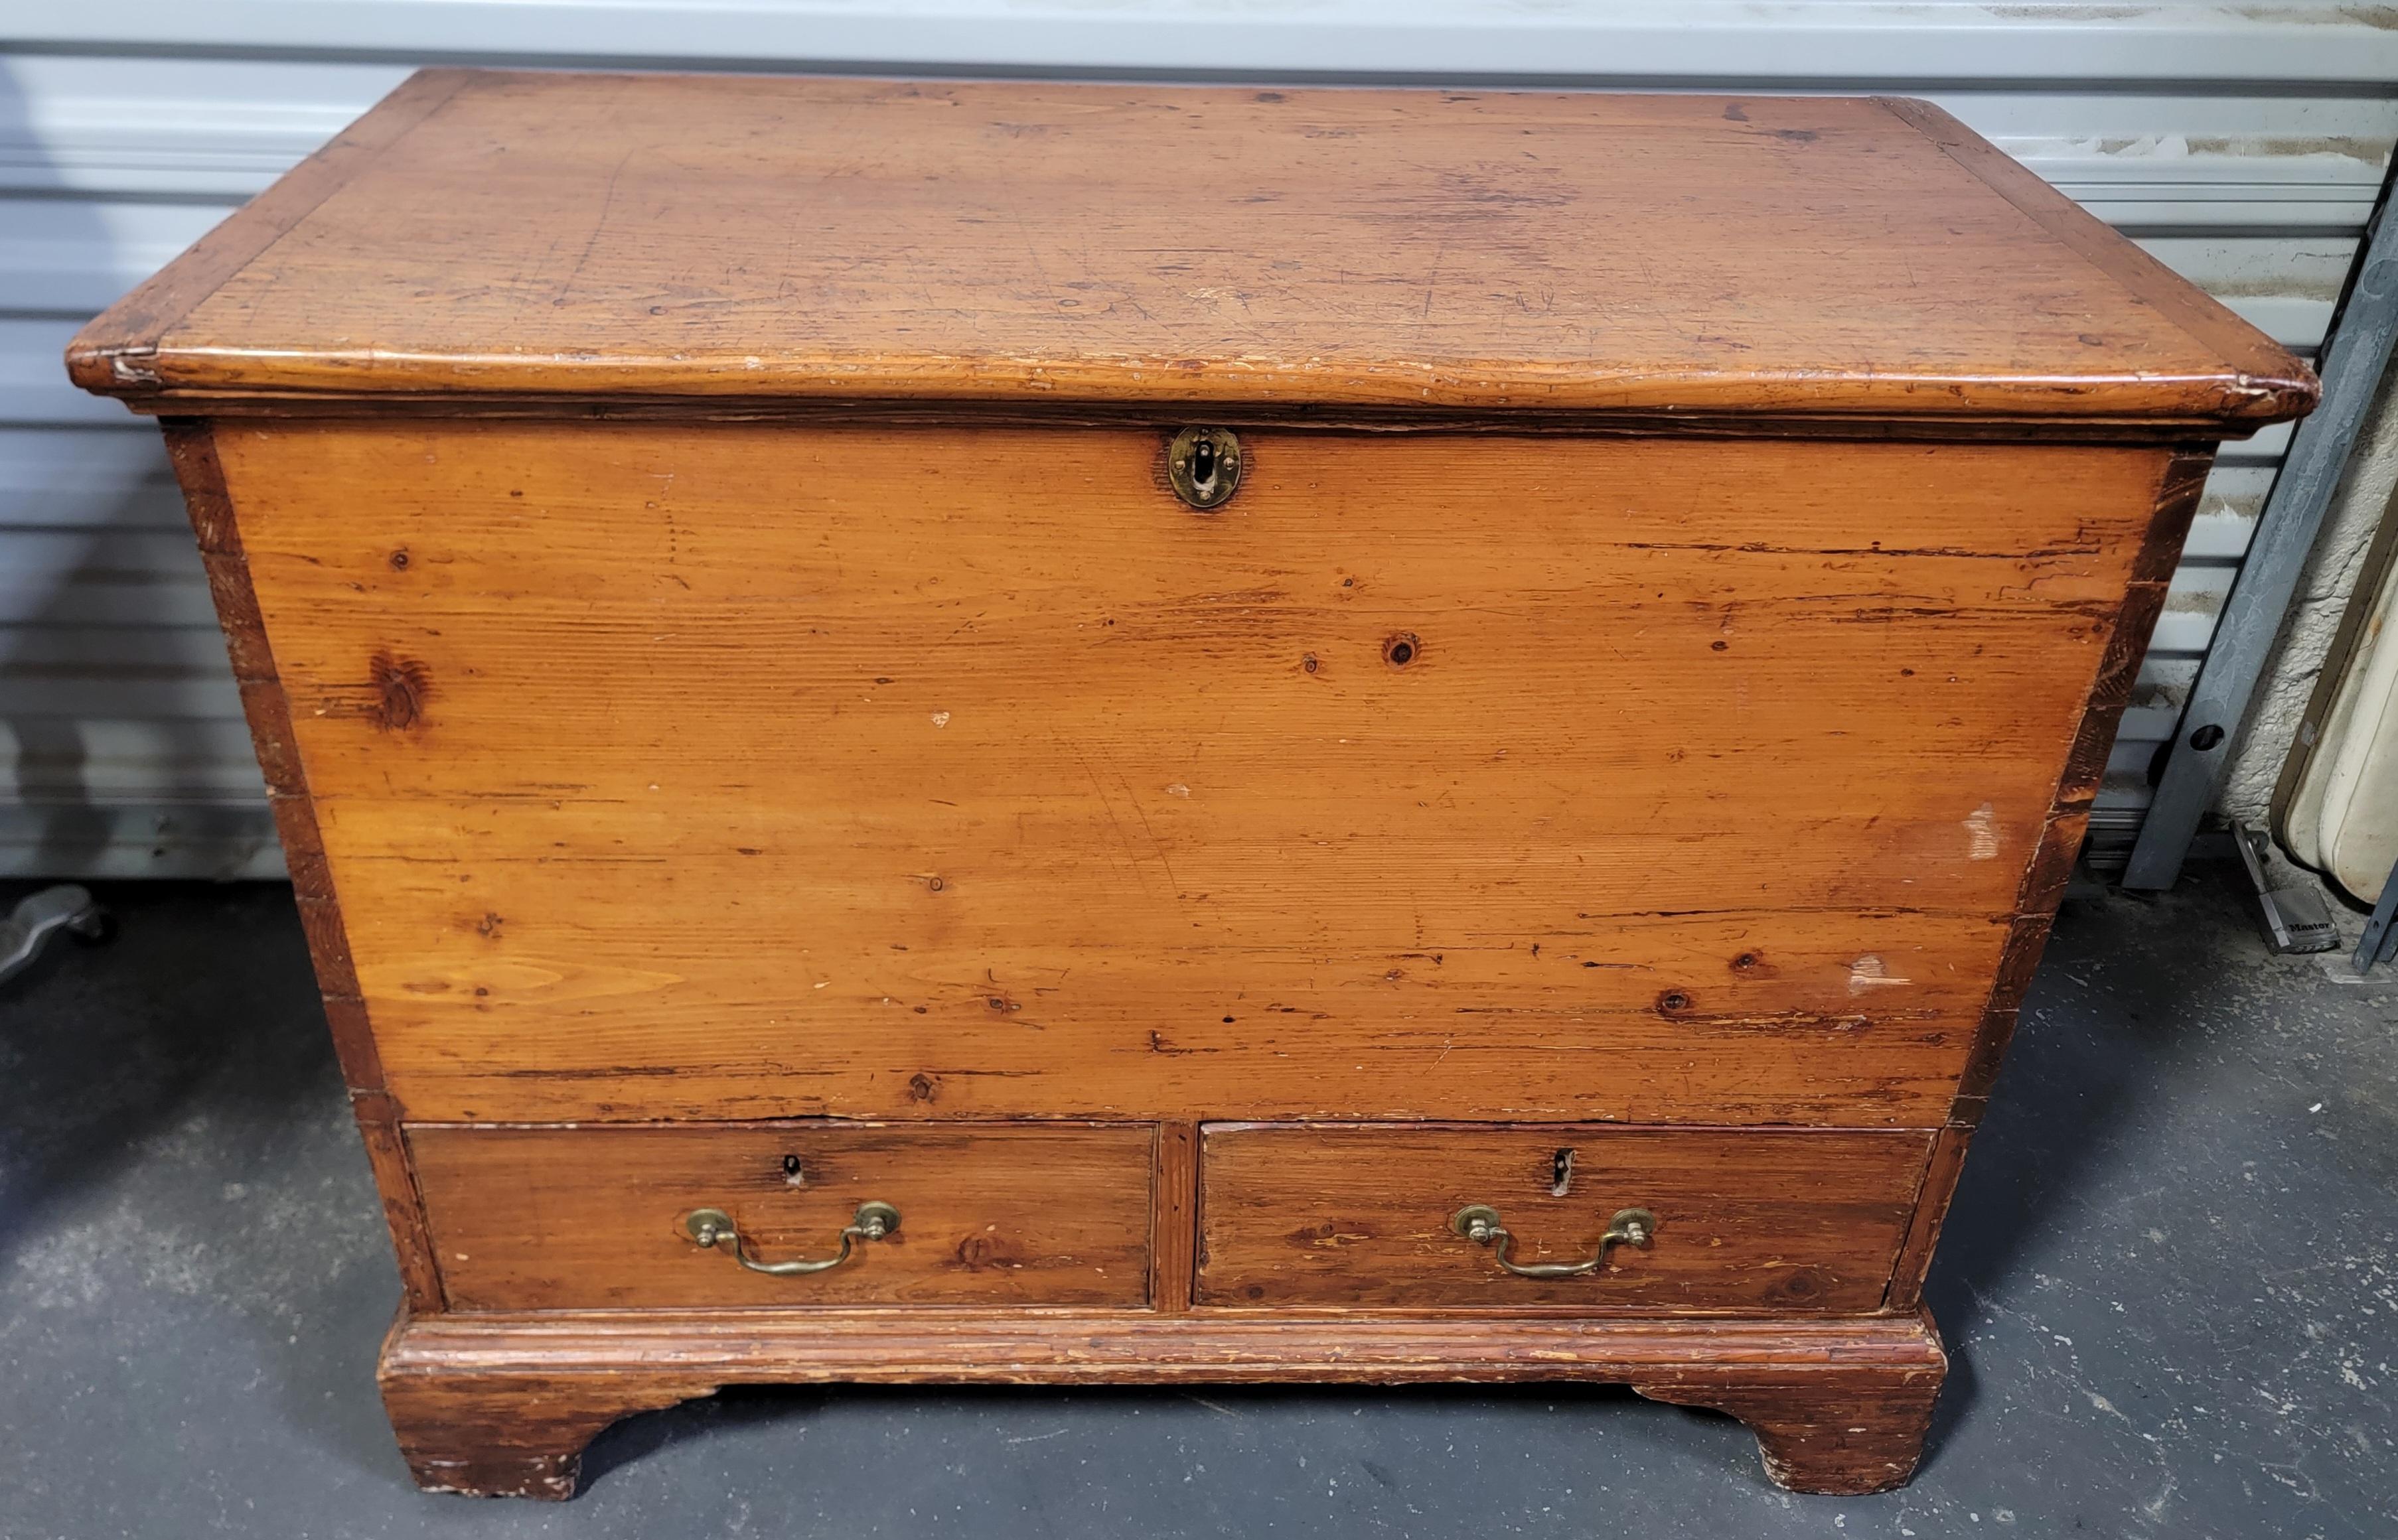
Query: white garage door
x=2246, y=151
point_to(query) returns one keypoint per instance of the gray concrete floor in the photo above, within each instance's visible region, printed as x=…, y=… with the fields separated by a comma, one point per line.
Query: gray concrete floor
x=2169, y=1283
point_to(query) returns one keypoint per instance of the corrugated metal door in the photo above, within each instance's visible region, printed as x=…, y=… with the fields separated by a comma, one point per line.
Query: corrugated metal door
x=2244, y=151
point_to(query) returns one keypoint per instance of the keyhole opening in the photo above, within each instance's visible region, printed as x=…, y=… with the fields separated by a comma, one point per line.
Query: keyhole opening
x=793, y=1175
x=1204, y=465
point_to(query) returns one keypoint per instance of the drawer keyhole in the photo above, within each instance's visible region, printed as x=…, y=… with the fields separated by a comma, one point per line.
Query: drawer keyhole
x=1204, y=465
x=794, y=1176
x=1560, y=1173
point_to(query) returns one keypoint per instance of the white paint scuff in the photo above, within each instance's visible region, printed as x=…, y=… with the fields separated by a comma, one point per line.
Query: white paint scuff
x=1870, y=973
x=1982, y=830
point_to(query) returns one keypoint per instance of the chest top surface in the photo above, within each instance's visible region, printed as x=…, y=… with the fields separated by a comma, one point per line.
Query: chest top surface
x=542, y=237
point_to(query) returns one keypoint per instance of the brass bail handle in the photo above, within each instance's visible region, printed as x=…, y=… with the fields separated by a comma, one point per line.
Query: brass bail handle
x=714, y=1227
x=1479, y=1222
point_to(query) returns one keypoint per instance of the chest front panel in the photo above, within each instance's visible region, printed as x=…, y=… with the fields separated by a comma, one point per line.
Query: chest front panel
x=754, y=771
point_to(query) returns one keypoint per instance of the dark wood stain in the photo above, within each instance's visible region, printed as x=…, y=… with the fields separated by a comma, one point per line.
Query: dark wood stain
x=401, y=688
x=556, y=1219
x=1357, y=1217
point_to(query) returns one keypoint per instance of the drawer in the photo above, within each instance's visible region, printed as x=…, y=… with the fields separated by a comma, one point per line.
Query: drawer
x=582, y=1218
x=1770, y=1220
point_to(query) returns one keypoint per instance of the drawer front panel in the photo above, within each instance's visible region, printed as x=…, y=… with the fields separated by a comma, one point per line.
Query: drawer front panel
x=584, y=1218
x=1772, y=1221
x=687, y=771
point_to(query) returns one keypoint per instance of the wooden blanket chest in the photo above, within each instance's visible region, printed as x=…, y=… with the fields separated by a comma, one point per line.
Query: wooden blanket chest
x=1082, y=734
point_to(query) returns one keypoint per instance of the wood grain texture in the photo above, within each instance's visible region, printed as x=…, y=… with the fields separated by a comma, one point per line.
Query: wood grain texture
x=592, y=1218
x=848, y=413
x=1844, y=1433
x=510, y=1433
x=2180, y=481
x=1174, y=1218
x=403, y=1208
x=653, y=753
x=527, y=234
x=1939, y=1188
x=191, y=448
x=117, y=353
x=1748, y=1220
x=2256, y=358
x=504, y=1403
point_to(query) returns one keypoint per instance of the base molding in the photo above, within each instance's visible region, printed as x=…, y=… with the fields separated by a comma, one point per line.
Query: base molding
x=505, y=1404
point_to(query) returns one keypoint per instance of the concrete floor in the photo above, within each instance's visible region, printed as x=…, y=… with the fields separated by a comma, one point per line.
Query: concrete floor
x=2169, y=1282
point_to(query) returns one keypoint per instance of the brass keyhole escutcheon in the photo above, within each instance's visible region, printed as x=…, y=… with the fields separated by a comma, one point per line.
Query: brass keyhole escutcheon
x=1204, y=466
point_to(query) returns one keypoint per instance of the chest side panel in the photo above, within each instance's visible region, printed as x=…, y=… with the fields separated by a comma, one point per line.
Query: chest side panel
x=773, y=770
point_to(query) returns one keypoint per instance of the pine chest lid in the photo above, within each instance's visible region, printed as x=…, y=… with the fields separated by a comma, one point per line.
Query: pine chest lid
x=556, y=240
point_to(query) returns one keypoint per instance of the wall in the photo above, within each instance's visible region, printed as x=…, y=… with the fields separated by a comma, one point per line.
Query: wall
x=2324, y=589
x=2242, y=145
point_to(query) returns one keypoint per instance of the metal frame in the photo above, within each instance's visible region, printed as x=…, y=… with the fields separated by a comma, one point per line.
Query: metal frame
x=2352, y=365
x=2380, y=939
x=1855, y=43
x=2297, y=918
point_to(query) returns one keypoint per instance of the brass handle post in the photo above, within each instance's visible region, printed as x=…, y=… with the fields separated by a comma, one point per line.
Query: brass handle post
x=711, y=1228
x=1479, y=1222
